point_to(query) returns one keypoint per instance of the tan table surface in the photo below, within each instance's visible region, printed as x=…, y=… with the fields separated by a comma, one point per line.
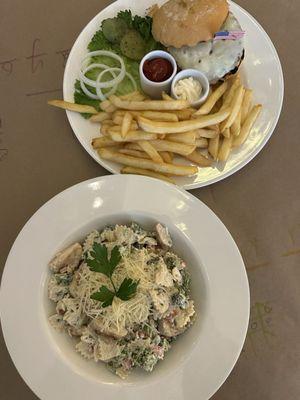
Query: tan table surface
x=39, y=157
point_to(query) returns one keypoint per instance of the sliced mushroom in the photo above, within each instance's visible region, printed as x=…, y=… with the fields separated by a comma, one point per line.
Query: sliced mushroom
x=163, y=235
x=67, y=260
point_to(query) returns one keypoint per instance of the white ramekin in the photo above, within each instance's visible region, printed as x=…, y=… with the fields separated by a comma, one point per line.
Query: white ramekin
x=194, y=73
x=155, y=89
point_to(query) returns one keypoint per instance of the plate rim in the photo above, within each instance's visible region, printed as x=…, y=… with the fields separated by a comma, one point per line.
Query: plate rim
x=226, y=236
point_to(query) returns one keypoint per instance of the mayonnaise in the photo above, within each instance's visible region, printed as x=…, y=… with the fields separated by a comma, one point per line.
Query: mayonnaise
x=188, y=89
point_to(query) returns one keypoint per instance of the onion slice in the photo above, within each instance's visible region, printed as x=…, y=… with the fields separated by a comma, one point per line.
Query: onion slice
x=106, y=53
x=97, y=84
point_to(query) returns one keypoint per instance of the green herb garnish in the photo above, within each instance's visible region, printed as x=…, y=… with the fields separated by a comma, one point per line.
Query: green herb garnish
x=100, y=263
x=143, y=25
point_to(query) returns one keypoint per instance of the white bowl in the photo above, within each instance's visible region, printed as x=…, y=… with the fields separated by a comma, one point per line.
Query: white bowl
x=192, y=73
x=155, y=89
x=199, y=361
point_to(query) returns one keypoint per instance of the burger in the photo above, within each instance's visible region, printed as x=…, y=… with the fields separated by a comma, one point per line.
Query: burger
x=200, y=34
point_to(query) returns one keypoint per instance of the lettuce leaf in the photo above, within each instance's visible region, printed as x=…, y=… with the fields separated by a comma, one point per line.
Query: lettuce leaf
x=99, y=42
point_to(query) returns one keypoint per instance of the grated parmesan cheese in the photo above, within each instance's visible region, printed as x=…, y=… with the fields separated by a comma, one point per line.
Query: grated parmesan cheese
x=121, y=313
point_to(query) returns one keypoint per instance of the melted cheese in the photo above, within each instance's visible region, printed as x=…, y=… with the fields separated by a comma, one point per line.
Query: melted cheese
x=214, y=58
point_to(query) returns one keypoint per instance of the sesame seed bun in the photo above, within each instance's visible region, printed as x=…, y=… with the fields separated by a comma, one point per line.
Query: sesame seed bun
x=180, y=23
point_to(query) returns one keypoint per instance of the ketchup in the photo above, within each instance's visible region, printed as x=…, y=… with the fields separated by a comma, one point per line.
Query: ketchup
x=158, y=69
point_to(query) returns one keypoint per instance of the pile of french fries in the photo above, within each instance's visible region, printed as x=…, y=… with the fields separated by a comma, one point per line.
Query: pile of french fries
x=145, y=135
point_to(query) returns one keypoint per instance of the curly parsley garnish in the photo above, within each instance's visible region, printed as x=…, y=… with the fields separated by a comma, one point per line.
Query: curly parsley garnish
x=100, y=263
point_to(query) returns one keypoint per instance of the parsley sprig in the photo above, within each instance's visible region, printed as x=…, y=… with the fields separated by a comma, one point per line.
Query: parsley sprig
x=100, y=263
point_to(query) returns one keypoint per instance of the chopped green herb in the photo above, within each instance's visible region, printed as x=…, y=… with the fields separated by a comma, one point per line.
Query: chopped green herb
x=127, y=289
x=101, y=264
x=104, y=295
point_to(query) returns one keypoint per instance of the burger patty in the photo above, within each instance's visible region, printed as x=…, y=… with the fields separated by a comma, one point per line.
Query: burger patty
x=214, y=58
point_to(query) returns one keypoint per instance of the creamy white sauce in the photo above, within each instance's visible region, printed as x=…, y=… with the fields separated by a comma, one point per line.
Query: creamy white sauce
x=214, y=58
x=189, y=89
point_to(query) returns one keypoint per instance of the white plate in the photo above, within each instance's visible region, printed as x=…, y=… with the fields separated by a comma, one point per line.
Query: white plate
x=199, y=361
x=261, y=71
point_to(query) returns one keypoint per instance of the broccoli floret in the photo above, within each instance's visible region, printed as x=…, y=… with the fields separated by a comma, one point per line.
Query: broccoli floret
x=180, y=300
x=63, y=279
x=146, y=360
x=186, y=282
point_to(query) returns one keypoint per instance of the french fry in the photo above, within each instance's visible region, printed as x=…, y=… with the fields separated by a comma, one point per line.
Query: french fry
x=175, y=147
x=165, y=155
x=165, y=96
x=134, y=153
x=235, y=108
x=126, y=124
x=213, y=147
x=247, y=125
x=135, y=146
x=182, y=126
x=173, y=169
x=104, y=129
x=211, y=101
x=199, y=159
x=136, y=95
x=226, y=133
x=185, y=137
x=206, y=133
x=225, y=149
x=202, y=143
x=246, y=105
x=150, y=150
x=236, y=126
x=103, y=141
x=204, y=153
x=146, y=172
x=131, y=136
x=66, y=105
x=183, y=115
x=100, y=117
x=155, y=115
x=118, y=120
x=108, y=122
x=228, y=95
x=215, y=127
x=119, y=113
x=107, y=106
x=171, y=155
x=148, y=105
x=160, y=116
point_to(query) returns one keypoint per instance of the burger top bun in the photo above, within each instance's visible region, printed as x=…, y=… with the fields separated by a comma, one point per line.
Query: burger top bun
x=180, y=23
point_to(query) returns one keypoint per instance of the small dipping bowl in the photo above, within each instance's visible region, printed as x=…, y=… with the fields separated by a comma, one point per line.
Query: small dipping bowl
x=155, y=89
x=192, y=73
